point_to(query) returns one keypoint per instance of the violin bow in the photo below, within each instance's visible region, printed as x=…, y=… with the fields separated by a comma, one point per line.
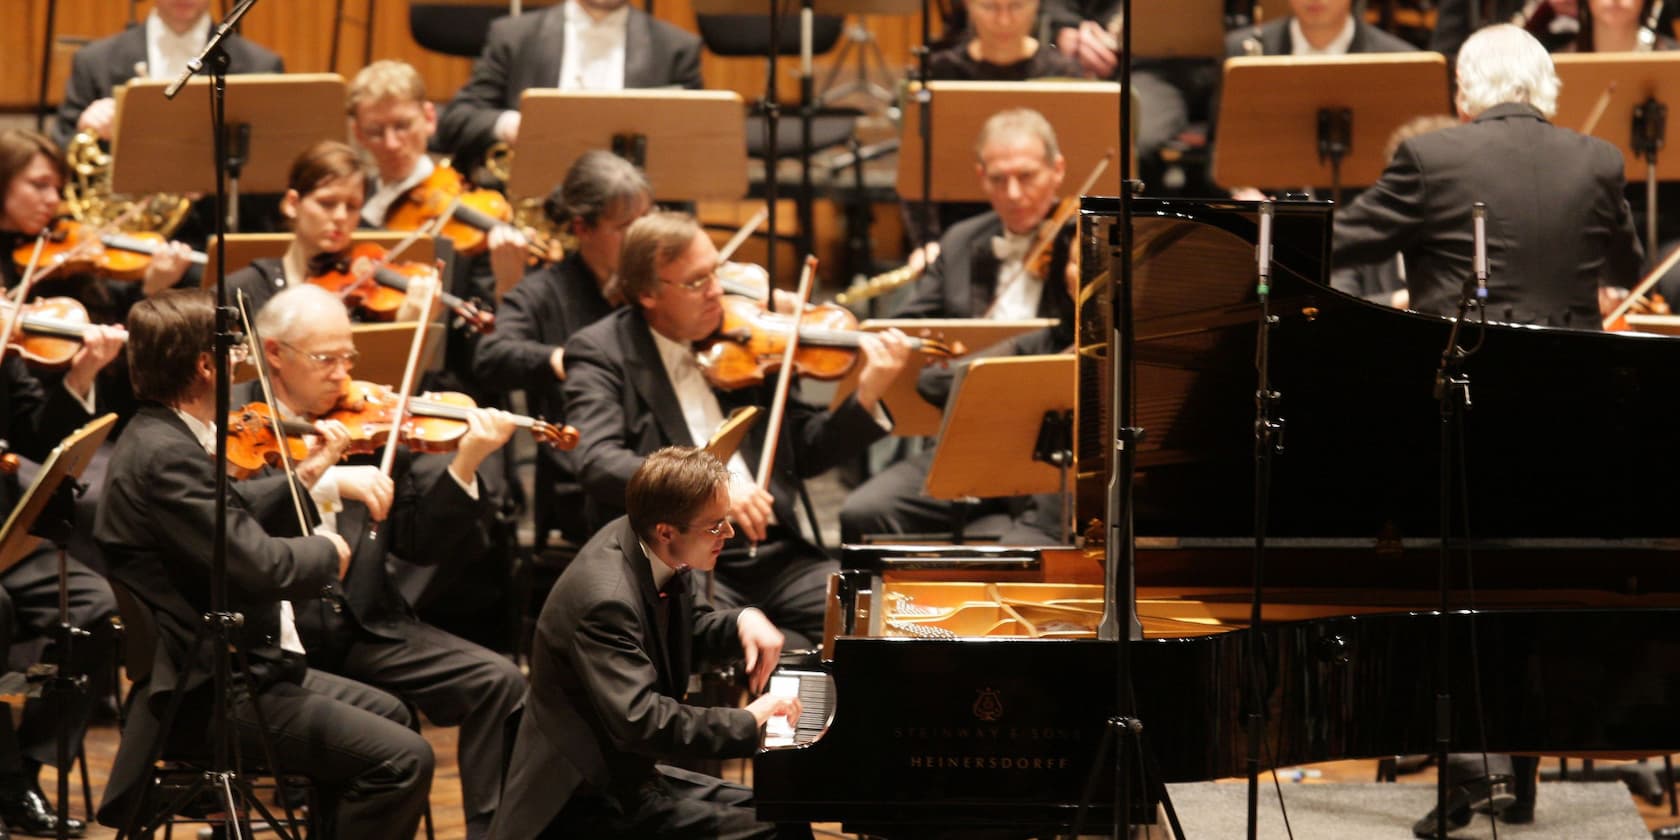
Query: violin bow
x=388, y=459
x=401, y=246
x=22, y=291
x=1644, y=286
x=1599, y=107
x=742, y=234
x=784, y=379
x=254, y=342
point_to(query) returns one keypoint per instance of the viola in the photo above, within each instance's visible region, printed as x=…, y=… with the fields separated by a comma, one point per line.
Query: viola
x=49, y=332
x=80, y=248
x=750, y=342
x=254, y=436
x=434, y=422
x=379, y=291
x=472, y=213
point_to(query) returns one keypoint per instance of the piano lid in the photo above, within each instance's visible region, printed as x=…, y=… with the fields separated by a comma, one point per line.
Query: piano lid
x=1570, y=433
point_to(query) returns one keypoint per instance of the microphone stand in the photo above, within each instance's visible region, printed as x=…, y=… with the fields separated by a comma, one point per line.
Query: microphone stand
x=772, y=150
x=1268, y=440
x=924, y=104
x=1452, y=391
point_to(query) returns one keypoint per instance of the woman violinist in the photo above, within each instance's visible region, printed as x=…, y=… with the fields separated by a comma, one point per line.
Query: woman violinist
x=323, y=203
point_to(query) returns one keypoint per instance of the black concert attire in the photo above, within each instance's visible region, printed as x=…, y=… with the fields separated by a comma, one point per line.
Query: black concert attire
x=156, y=525
x=366, y=631
x=524, y=51
x=609, y=669
x=35, y=419
x=621, y=399
x=955, y=64
x=1550, y=241
x=962, y=282
x=1274, y=38
x=543, y=312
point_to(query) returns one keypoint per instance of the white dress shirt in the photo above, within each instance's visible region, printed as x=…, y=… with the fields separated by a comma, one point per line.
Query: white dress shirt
x=373, y=210
x=701, y=411
x=206, y=435
x=167, y=53
x=1018, y=291
x=1338, y=46
x=593, y=55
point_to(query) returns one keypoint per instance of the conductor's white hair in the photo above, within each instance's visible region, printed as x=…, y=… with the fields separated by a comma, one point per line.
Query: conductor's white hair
x=1501, y=64
x=295, y=309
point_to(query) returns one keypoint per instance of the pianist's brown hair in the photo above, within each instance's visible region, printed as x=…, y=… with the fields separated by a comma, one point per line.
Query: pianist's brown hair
x=672, y=485
x=654, y=240
x=325, y=161
x=166, y=334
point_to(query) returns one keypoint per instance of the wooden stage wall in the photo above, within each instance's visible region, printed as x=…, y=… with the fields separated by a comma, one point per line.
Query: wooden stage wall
x=301, y=31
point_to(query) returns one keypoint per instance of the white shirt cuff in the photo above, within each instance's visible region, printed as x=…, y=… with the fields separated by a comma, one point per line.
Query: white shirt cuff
x=881, y=418
x=325, y=492
x=87, y=403
x=503, y=129
x=471, y=488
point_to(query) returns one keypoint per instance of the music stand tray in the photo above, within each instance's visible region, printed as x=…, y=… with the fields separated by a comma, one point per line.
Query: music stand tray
x=726, y=441
x=163, y=146
x=1179, y=28
x=67, y=461
x=913, y=416
x=991, y=426
x=1637, y=77
x=960, y=108
x=1271, y=107
x=695, y=141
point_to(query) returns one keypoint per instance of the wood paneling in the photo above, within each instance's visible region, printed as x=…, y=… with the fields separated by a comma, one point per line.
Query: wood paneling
x=301, y=31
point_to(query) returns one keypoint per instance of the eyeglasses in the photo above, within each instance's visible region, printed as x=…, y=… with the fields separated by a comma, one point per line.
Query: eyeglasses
x=348, y=358
x=717, y=528
x=1014, y=8
x=697, y=284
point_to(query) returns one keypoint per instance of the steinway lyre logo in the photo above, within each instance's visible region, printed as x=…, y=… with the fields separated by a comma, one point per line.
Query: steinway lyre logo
x=988, y=706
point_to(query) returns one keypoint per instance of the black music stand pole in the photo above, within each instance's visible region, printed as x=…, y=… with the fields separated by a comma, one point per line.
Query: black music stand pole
x=57, y=523
x=924, y=103
x=1335, y=140
x=1650, y=124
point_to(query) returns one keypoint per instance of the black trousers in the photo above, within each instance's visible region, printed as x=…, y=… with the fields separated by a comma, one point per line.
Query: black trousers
x=453, y=681
x=29, y=612
x=792, y=590
x=675, y=804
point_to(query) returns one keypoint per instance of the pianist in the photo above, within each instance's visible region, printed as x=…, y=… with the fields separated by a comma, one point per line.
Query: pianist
x=609, y=666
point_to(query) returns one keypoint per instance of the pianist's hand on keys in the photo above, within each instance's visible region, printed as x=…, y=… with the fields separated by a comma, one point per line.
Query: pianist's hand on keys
x=776, y=708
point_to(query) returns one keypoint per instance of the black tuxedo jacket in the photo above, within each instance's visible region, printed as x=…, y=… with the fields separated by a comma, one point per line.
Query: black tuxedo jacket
x=1275, y=40
x=607, y=687
x=33, y=419
x=962, y=280
x=624, y=407
x=432, y=520
x=106, y=63
x=523, y=51
x=1558, y=224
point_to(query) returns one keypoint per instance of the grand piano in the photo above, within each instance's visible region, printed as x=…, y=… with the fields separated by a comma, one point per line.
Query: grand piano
x=969, y=691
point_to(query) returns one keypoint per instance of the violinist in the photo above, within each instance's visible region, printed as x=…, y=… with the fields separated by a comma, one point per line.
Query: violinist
x=600, y=197
x=323, y=204
x=156, y=523
x=981, y=272
x=393, y=120
x=633, y=385
x=433, y=510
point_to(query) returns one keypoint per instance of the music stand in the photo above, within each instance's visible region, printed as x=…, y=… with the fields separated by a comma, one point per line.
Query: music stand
x=66, y=461
x=987, y=436
x=727, y=439
x=1290, y=121
x=1179, y=28
x=913, y=416
x=691, y=143
x=271, y=117
x=384, y=350
x=1634, y=89
x=245, y=248
x=960, y=108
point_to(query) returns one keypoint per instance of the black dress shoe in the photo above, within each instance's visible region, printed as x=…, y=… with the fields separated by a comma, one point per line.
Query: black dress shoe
x=28, y=813
x=1488, y=795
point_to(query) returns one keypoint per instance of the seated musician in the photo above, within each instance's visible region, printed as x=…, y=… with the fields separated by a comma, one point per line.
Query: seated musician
x=155, y=524
x=431, y=511
x=600, y=197
x=1543, y=268
x=1615, y=26
x=1314, y=27
x=574, y=45
x=173, y=34
x=980, y=273
x=615, y=642
x=1003, y=48
x=634, y=384
x=323, y=202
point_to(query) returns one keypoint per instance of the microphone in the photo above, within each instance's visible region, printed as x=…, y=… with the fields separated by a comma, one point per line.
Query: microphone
x=1263, y=249
x=1478, y=265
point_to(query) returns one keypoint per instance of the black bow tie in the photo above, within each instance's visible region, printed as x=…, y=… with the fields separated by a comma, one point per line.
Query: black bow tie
x=676, y=585
x=327, y=264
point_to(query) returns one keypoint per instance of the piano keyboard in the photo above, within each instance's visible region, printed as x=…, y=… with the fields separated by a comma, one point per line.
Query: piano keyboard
x=815, y=690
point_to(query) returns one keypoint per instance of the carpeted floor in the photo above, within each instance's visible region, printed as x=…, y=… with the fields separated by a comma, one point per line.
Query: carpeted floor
x=1563, y=811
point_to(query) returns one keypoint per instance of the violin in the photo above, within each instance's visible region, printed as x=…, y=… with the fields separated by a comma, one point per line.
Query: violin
x=254, y=439
x=435, y=422
x=49, y=333
x=750, y=342
x=379, y=293
x=80, y=248
x=472, y=214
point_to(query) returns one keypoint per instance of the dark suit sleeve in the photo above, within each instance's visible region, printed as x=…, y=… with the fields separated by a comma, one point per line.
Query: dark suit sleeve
x=178, y=487
x=716, y=633
x=1385, y=218
x=609, y=653
x=606, y=456
x=433, y=520
x=685, y=64
x=826, y=438
x=85, y=86
x=468, y=121
x=514, y=356
x=1625, y=256
x=40, y=416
